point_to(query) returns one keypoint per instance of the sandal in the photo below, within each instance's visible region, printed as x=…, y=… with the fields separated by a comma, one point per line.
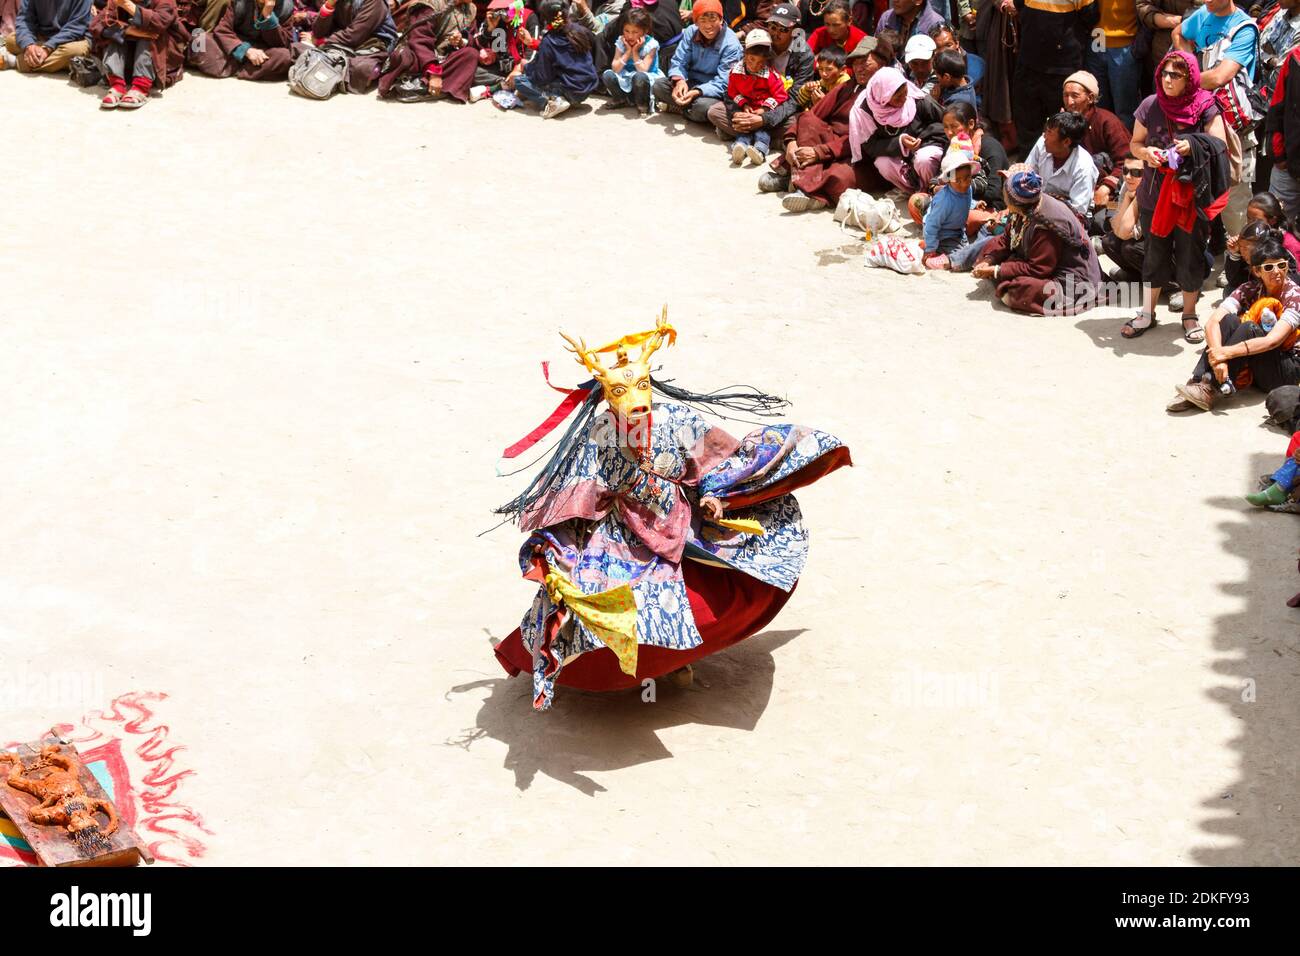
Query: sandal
x=1131, y=331
x=111, y=100
x=1195, y=335
x=133, y=100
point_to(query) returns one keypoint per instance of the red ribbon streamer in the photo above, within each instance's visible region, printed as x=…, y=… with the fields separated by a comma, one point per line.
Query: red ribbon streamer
x=572, y=399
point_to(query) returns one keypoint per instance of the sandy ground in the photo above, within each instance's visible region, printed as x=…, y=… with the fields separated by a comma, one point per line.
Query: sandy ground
x=260, y=356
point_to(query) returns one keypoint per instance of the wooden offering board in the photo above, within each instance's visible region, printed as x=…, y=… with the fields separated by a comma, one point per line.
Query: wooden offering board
x=60, y=809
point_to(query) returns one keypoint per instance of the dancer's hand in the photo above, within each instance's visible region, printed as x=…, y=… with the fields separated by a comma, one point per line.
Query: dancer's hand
x=711, y=507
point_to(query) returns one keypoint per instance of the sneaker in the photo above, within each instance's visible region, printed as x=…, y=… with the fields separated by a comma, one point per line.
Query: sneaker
x=554, y=107
x=802, y=202
x=774, y=183
x=1199, y=394
x=756, y=155
x=1221, y=281
x=737, y=154
x=477, y=93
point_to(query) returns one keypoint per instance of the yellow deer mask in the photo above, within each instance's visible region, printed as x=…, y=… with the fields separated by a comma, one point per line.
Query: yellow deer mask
x=626, y=383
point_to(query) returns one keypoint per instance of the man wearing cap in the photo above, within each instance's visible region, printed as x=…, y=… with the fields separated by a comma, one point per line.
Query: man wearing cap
x=1043, y=262
x=1053, y=37
x=697, y=78
x=791, y=57
x=918, y=58
x=909, y=18
x=47, y=35
x=1107, y=139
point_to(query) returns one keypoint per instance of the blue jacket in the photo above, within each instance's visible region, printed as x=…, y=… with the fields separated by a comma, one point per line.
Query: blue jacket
x=705, y=68
x=52, y=23
x=945, y=220
x=558, y=62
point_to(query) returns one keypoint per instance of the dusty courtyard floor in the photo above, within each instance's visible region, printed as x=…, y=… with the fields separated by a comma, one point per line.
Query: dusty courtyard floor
x=260, y=355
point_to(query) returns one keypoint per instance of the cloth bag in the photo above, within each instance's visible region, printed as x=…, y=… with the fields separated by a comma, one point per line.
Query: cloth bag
x=897, y=253
x=863, y=211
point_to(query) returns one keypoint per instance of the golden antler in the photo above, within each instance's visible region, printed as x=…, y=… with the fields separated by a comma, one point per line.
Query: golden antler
x=664, y=332
x=586, y=356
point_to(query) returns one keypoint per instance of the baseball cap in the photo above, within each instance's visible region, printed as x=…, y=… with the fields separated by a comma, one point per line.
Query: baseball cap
x=784, y=14
x=920, y=47
x=757, y=37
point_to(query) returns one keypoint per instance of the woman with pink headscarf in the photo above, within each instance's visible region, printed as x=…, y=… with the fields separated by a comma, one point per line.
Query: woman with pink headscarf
x=899, y=129
x=1163, y=121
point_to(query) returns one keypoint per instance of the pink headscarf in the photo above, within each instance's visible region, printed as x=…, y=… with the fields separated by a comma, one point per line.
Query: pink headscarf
x=1184, y=110
x=871, y=109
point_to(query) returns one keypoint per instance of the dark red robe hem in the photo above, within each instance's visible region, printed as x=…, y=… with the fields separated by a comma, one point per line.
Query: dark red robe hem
x=728, y=606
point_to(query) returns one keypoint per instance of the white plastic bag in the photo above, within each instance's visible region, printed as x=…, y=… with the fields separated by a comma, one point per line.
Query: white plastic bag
x=863, y=211
x=897, y=253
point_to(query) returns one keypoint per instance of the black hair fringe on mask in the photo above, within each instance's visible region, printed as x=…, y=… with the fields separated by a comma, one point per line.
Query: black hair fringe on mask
x=736, y=398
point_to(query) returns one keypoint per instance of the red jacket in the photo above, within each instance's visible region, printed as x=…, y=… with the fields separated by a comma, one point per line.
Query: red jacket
x=766, y=89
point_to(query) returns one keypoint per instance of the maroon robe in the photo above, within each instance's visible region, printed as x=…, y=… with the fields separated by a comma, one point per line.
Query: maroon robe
x=1053, y=260
x=425, y=43
x=216, y=58
x=825, y=128
x=353, y=25
x=162, y=22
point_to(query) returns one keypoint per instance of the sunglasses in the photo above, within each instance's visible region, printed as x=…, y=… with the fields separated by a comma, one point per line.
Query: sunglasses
x=779, y=28
x=1132, y=170
x=1275, y=267
x=1172, y=75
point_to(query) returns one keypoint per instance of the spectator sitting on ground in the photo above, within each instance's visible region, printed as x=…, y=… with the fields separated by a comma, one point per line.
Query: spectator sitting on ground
x=1249, y=340
x=1066, y=167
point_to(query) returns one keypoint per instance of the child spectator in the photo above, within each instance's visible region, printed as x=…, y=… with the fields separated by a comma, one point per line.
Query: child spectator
x=1066, y=168
x=1284, y=482
x=944, y=228
x=950, y=82
x=510, y=33
x=753, y=85
x=562, y=72
x=635, y=67
x=830, y=73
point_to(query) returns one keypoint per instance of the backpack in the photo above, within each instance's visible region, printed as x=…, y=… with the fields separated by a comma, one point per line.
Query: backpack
x=1240, y=103
x=318, y=72
x=85, y=71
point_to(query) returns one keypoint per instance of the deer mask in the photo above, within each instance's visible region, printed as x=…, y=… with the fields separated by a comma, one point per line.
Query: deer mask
x=626, y=383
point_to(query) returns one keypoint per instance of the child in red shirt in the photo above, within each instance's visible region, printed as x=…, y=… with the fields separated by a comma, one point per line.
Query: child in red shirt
x=755, y=87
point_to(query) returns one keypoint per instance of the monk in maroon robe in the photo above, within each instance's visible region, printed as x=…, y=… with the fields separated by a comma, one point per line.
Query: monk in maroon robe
x=141, y=43
x=248, y=39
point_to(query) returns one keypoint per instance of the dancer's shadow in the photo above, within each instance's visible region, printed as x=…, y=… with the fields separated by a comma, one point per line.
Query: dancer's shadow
x=585, y=732
x=1248, y=820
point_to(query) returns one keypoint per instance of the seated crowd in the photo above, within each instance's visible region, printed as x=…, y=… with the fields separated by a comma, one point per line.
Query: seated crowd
x=1167, y=147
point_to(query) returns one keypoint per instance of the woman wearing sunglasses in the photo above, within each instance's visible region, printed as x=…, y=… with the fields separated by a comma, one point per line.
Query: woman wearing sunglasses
x=1250, y=341
x=1123, y=241
x=1179, y=106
